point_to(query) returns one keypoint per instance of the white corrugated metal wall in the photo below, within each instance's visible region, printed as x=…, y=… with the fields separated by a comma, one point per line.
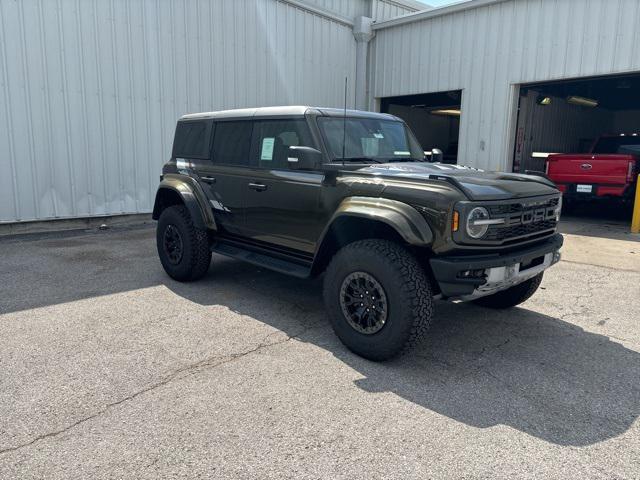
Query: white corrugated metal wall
x=377, y=9
x=385, y=9
x=488, y=47
x=90, y=89
x=348, y=9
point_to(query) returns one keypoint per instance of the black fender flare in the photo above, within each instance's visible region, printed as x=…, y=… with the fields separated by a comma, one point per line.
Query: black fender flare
x=192, y=196
x=402, y=217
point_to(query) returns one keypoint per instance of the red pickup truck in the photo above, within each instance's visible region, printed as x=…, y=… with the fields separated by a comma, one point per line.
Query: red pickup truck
x=609, y=170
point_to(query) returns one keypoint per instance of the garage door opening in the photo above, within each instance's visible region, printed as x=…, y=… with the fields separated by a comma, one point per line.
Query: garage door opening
x=593, y=121
x=569, y=116
x=433, y=117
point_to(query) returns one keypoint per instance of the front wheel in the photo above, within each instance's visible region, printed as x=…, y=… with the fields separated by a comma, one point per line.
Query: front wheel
x=378, y=298
x=512, y=296
x=182, y=247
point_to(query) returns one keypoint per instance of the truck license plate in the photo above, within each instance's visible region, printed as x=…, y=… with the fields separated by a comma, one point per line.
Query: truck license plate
x=584, y=188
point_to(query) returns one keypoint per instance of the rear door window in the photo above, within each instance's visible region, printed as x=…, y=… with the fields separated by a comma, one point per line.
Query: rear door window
x=232, y=143
x=272, y=139
x=192, y=139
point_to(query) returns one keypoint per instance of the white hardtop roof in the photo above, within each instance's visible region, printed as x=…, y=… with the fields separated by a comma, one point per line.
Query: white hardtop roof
x=296, y=110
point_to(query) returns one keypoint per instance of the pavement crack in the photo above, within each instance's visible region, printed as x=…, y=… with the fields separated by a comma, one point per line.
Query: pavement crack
x=605, y=267
x=208, y=363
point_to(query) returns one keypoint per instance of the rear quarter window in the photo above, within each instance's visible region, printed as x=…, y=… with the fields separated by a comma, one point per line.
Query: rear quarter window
x=192, y=139
x=232, y=143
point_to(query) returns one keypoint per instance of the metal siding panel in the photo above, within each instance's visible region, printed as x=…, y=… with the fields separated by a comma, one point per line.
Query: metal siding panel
x=348, y=9
x=10, y=204
x=87, y=129
x=490, y=48
x=91, y=89
x=560, y=38
x=383, y=10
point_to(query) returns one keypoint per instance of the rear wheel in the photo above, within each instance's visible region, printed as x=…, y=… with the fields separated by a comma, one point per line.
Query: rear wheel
x=512, y=296
x=378, y=298
x=183, y=249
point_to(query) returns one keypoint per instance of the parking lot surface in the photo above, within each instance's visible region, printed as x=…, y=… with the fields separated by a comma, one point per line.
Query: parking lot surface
x=109, y=369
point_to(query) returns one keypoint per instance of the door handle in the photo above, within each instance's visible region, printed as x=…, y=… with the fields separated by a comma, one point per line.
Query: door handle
x=258, y=187
x=208, y=179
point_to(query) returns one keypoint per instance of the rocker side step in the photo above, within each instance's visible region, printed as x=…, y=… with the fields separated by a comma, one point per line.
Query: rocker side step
x=262, y=260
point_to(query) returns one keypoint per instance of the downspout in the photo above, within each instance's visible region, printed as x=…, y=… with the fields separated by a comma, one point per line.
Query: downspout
x=363, y=33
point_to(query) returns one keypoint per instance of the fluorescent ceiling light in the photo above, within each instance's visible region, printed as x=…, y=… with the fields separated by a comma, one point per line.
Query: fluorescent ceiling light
x=542, y=154
x=544, y=101
x=451, y=112
x=585, y=102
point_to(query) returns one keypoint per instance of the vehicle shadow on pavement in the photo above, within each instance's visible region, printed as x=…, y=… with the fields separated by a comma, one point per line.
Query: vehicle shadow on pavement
x=518, y=368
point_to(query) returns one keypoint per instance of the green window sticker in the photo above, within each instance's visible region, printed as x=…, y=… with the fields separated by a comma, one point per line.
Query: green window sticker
x=370, y=146
x=267, y=149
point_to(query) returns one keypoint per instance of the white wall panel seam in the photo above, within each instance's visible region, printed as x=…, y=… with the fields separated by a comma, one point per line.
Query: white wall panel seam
x=131, y=96
x=10, y=138
x=148, y=97
x=47, y=101
x=28, y=109
x=85, y=128
x=65, y=108
x=100, y=94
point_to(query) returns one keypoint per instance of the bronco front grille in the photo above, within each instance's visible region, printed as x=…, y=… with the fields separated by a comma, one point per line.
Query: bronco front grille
x=518, y=207
x=518, y=231
x=523, y=220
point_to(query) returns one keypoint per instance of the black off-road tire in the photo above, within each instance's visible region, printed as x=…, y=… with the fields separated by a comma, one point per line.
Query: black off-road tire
x=196, y=255
x=512, y=296
x=408, y=292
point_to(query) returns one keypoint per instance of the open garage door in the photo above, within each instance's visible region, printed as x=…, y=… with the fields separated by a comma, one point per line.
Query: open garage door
x=433, y=117
x=569, y=116
x=594, y=123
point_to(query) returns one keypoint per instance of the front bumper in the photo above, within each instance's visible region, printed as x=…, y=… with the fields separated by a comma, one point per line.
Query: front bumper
x=501, y=270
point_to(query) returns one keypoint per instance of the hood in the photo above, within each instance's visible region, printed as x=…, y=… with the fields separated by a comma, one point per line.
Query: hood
x=475, y=184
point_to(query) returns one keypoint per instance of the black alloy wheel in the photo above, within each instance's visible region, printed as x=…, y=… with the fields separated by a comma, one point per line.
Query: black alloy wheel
x=363, y=302
x=172, y=244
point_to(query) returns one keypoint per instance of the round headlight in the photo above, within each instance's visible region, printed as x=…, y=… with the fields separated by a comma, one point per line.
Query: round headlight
x=475, y=227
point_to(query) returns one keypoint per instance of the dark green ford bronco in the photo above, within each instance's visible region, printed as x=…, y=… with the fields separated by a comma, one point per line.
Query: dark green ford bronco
x=313, y=191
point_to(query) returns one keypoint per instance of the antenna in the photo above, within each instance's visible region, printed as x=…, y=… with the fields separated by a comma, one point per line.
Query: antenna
x=344, y=121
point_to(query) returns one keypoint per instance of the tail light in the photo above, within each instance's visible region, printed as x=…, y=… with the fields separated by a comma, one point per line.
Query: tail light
x=546, y=165
x=630, y=172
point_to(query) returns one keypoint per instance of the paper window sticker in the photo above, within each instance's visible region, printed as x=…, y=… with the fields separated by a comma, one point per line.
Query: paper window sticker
x=370, y=147
x=267, y=149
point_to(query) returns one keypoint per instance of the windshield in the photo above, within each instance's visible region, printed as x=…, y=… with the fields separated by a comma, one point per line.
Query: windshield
x=369, y=139
x=623, y=144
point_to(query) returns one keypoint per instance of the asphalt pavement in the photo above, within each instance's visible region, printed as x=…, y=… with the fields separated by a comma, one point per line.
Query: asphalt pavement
x=109, y=369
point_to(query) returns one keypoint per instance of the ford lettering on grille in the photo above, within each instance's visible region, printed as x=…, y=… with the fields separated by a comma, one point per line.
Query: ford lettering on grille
x=533, y=216
x=522, y=221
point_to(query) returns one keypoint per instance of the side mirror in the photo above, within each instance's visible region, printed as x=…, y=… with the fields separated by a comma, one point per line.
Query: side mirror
x=436, y=155
x=304, y=158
